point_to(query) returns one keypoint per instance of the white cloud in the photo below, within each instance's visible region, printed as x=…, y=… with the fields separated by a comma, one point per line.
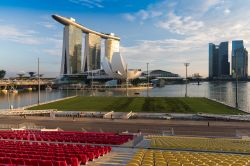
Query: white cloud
x=88, y=3
x=180, y=25
x=143, y=14
x=11, y=33
x=47, y=24
x=53, y=52
x=129, y=17
x=168, y=54
x=205, y=5
x=163, y=8
x=28, y=37
x=56, y=47
x=227, y=11
x=193, y=25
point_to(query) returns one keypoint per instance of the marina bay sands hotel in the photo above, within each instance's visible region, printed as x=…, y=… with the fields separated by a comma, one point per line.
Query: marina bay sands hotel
x=72, y=60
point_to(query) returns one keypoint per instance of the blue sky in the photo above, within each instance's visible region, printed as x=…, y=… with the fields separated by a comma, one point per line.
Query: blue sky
x=165, y=33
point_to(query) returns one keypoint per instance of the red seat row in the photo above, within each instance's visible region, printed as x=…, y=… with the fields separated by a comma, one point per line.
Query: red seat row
x=67, y=136
x=48, y=154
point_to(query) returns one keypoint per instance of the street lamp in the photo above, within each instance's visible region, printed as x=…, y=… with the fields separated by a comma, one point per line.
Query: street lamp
x=236, y=76
x=91, y=66
x=186, y=65
x=38, y=71
x=127, y=80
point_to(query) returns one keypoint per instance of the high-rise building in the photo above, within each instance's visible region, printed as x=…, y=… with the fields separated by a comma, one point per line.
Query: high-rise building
x=72, y=48
x=239, y=59
x=223, y=64
x=92, y=53
x=111, y=46
x=213, y=60
x=218, y=60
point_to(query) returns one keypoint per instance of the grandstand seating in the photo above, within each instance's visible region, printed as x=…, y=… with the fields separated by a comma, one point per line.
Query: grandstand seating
x=207, y=144
x=48, y=154
x=168, y=158
x=67, y=136
x=54, y=148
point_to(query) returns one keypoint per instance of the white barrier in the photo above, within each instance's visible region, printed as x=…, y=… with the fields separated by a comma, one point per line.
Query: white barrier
x=108, y=115
x=128, y=115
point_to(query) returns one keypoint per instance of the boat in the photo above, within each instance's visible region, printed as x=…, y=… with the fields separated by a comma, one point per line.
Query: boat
x=136, y=93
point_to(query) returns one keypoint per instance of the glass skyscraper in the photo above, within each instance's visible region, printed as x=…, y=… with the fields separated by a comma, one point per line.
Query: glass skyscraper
x=241, y=60
x=92, y=54
x=72, y=48
x=223, y=64
x=213, y=60
x=218, y=60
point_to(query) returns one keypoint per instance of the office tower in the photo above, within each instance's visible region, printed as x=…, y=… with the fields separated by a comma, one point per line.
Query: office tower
x=213, y=60
x=218, y=60
x=223, y=64
x=239, y=59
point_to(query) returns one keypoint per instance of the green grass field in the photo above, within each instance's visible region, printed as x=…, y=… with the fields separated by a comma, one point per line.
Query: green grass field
x=140, y=104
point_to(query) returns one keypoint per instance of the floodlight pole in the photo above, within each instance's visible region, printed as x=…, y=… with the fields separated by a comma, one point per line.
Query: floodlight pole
x=92, y=81
x=38, y=71
x=147, y=80
x=8, y=93
x=126, y=79
x=186, y=65
x=236, y=78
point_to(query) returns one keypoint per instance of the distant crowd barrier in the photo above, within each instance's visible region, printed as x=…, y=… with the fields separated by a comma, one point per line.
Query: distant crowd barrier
x=128, y=115
x=108, y=115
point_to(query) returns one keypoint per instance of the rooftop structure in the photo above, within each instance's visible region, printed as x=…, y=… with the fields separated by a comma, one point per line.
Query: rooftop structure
x=70, y=21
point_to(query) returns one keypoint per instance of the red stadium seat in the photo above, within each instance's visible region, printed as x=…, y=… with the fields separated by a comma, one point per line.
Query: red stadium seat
x=59, y=163
x=45, y=163
x=49, y=154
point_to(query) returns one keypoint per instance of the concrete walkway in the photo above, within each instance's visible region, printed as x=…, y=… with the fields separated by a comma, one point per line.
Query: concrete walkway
x=117, y=157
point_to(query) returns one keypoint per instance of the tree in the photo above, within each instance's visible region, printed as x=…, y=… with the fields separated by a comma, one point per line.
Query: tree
x=20, y=75
x=32, y=74
x=2, y=74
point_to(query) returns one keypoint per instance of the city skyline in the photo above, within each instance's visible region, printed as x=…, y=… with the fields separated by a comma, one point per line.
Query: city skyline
x=219, y=66
x=164, y=33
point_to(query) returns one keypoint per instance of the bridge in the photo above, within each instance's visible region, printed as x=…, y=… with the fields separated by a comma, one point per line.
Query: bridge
x=20, y=84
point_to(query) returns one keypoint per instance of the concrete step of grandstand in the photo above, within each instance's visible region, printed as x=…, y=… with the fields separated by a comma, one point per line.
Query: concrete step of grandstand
x=117, y=157
x=145, y=143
